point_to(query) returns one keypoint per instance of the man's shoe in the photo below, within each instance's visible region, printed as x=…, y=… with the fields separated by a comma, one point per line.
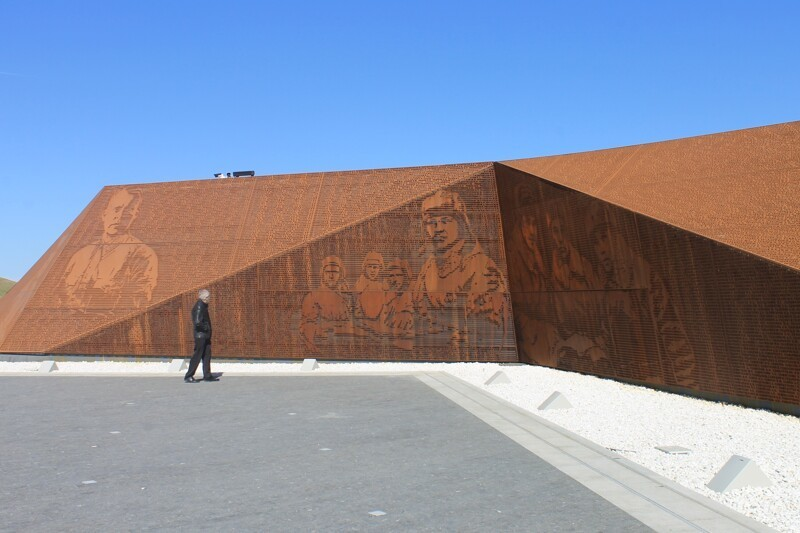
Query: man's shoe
x=210, y=378
x=190, y=380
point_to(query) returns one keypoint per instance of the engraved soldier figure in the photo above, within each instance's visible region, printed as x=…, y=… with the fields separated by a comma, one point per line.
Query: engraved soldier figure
x=580, y=344
x=397, y=311
x=118, y=270
x=458, y=281
x=534, y=314
x=640, y=314
x=369, y=291
x=325, y=311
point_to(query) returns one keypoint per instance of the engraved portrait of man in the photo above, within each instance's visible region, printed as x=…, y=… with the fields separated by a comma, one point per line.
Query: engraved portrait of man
x=458, y=281
x=118, y=270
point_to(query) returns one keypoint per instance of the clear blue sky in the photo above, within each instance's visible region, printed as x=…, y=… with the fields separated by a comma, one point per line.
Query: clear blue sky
x=96, y=93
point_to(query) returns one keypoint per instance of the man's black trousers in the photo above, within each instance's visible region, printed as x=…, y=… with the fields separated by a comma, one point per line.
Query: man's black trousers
x=202, y=350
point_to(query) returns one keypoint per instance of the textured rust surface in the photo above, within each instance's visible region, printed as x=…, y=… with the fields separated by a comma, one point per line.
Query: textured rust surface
x=396, y=264
x=602, y=290
x=740, y=188
x=674, y=264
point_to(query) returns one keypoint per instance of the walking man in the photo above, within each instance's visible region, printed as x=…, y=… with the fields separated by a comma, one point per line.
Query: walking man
x=202, y=339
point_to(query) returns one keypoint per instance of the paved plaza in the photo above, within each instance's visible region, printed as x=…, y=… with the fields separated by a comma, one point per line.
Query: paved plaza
x=406, y=452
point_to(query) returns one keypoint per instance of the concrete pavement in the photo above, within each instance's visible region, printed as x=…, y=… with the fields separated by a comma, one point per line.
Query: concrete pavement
x=405, y=452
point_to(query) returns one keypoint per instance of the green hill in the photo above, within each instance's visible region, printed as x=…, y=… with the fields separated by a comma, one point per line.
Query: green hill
x=5, y=286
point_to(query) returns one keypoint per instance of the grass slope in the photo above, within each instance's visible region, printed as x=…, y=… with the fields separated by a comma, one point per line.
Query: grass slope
x=5, y=286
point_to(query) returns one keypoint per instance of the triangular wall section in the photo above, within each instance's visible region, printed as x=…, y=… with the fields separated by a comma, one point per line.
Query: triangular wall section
x=15, y=301
x=183, y=235
x=279, y=308
x=741, y=188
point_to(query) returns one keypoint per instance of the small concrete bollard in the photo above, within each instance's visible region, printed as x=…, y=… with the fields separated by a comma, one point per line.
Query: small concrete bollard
x=497, y=378
x=309, y=365
x=555, y=401
x=178, y=365
x=738, y=472
x=48, y=366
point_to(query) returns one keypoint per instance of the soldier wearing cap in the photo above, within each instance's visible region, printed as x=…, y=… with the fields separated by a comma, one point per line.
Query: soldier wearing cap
x=458, y=280
x=326, y=311
x=369, y=289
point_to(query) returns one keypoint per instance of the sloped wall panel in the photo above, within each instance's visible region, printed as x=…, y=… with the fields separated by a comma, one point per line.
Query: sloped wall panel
x=741, y=188
x=139, y=245
x=426, y=280
x=602, y=290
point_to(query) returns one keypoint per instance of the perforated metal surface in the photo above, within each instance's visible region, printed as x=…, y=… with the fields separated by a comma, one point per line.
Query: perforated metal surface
x=741, y=188
x=381, y=264
x=675, y=263
x=600, y=289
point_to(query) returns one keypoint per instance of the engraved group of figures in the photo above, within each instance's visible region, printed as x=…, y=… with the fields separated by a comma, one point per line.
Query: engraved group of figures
x=458, y=297
x=607, y=311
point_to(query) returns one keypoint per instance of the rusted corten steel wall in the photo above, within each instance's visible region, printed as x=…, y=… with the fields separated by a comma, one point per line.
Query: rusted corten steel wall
x=390, y=264
x=740, y=188
x=674, y=264
x=600, y=289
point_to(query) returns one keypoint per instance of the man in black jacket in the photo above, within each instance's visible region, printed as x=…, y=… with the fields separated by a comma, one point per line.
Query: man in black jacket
x=202, y=339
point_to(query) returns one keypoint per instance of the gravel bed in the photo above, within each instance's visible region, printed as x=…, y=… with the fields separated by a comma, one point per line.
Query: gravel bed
x=627, y=419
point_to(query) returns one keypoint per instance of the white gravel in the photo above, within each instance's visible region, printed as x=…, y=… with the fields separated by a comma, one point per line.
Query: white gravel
x=628, y=419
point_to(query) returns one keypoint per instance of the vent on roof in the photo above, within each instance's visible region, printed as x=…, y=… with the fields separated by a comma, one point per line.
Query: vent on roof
x=237, y=174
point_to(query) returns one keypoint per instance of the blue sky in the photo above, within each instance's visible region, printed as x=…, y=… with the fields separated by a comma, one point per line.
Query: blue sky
x=96, y=93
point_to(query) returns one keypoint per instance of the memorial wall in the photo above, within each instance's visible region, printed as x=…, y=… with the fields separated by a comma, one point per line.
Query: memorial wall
x=602, y=290
x=392, y=265
x=674, y=264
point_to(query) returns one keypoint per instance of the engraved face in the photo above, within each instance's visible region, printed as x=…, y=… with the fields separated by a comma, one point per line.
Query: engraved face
x=120, y=212
x=530, y=231
x=557, y=232
x=331, y=275
x=525, y=195
x=602, y=249
x=395, y=279
x=441, y=230
x=373, y=270
x=493, y=279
